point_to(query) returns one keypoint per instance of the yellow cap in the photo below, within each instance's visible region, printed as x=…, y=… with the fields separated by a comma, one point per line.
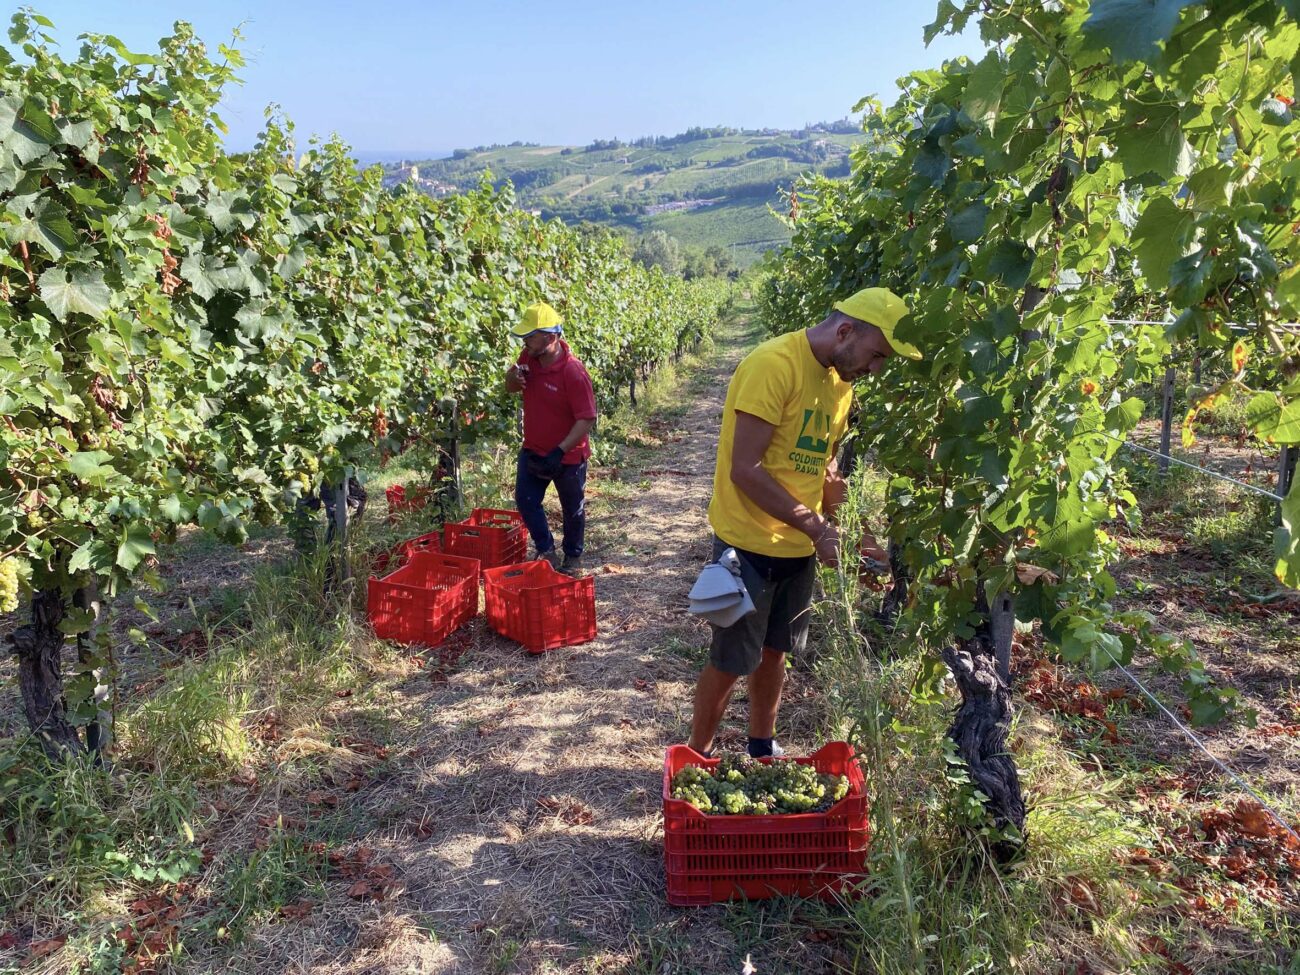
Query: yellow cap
x=540, y=317
x=882, y=308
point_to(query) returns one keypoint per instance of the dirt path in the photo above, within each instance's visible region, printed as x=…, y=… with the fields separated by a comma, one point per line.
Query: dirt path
x=535, y=780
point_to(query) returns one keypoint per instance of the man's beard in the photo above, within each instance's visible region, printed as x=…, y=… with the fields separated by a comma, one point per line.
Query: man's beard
x=837, y=365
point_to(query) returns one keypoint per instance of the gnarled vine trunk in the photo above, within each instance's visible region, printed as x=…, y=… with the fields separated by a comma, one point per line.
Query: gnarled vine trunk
x=896, y=598
x=982, y=723
x=93, y=664
x=39, y=648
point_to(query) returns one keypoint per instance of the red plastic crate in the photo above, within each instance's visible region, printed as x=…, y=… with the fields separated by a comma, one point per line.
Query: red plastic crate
x=543, y=609
x=491, y=535
x=400, y=554
x=710, y=859
x=400, y=500
x=424, y=600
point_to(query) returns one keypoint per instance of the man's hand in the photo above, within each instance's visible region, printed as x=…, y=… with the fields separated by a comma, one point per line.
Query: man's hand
x=872, y=550
x=873, y=564
x=517, y=378
x=826, y=542
x=553, y=463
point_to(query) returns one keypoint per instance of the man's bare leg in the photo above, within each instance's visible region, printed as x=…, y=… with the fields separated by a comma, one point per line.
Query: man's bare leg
x=712, y=693
x=765, y=686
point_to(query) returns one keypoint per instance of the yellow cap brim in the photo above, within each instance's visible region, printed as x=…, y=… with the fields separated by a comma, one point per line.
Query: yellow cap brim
x=906, y=350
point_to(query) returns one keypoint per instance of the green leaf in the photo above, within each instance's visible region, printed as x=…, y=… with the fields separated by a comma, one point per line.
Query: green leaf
x=1124, y=417
x=1288, y=286
x=983, y=95
x=1150, y=140
x=89, y=464
x=1132, y=29
x=82, y=293
x=1274, y=418
x=130, y=57
x=45, y=224
x=80, y=560
x=77, y=621
x=1084, y=642
x=1160, y=239
x=135, y=545
x=967, y=225
x=927, y=686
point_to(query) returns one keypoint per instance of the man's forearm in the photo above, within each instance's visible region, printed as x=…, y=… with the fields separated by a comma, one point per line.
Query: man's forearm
x=834, y=493
x=574, y=437
x=766, y=491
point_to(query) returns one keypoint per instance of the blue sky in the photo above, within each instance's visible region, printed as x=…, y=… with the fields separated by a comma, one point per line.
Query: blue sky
x=404, y=77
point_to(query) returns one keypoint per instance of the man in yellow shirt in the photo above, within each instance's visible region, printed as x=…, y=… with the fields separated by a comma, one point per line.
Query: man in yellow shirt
x=775, y=491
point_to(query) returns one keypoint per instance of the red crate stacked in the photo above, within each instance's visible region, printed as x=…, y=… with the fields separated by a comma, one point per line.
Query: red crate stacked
x=543, y=609
x=401, y=501
x=425, y=600
x=491, y=535
x=400, y=554
x=710, y=859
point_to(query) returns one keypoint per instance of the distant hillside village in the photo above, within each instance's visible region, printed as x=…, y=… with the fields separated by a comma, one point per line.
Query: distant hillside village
x=403, y=172
x=706, y=186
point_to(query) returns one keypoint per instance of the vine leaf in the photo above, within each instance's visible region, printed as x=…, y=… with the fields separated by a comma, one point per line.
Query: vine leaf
x=84, y=293
x=1274, y=419
x=136, y=544
x=47, y=224
x=1132, y=29
x=1152, y=141
x=1160, y=237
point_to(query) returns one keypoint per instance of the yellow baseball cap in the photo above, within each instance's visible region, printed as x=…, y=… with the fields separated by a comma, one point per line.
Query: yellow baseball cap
x=540, y=317
x=882, y=308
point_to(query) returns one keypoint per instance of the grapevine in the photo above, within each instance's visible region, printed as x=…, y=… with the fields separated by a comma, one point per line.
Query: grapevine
x=188, y=337
x=1095, y=164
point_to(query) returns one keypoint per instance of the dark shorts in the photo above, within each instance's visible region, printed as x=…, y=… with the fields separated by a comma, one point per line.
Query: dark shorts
x=782, y=590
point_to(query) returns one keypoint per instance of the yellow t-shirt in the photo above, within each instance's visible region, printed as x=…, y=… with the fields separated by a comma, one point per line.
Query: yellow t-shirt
x=783, y=383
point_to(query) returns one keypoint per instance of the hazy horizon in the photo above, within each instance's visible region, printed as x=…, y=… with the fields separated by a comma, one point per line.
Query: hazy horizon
x=431, y=77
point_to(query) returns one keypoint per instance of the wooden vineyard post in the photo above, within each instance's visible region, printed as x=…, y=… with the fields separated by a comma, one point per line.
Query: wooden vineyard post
x=1286, y=464
x=1166, y=419
x=449, y=493
x=1002, y=626
x=336, y=534
x=631, y=389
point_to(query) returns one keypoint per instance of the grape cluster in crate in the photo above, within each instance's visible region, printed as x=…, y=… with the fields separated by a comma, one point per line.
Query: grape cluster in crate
x=743, y=786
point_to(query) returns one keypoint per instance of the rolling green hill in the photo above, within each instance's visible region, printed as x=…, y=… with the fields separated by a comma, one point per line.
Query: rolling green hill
x=704, y=187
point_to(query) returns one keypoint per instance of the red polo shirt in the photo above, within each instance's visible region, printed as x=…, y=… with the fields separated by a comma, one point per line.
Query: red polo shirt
x=555, y=398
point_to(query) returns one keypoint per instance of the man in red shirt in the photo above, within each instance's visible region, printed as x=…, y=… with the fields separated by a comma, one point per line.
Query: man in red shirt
x=559, y=411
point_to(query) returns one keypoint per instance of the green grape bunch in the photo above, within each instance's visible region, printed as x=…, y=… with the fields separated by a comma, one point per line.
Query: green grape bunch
x=744, y=786
x=9, y=574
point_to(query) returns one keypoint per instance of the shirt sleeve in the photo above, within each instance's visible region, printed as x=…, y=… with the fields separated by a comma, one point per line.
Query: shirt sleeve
x=582, y=397
x=763, y=383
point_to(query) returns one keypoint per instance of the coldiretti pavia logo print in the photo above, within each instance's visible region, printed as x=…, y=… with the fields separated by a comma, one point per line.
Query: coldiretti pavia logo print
x=809, y=454
x=816, y=433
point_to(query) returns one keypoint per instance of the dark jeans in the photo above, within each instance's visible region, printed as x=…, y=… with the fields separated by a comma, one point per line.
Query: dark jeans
x=571, y=486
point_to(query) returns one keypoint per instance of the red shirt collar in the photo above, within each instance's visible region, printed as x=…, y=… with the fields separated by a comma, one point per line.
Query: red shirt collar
x=559, y=362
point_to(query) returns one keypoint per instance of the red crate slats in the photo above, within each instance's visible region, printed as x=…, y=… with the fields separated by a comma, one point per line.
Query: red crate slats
x=424, y=600
x=543, y=609
x=709, y=859
x=492, y=535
